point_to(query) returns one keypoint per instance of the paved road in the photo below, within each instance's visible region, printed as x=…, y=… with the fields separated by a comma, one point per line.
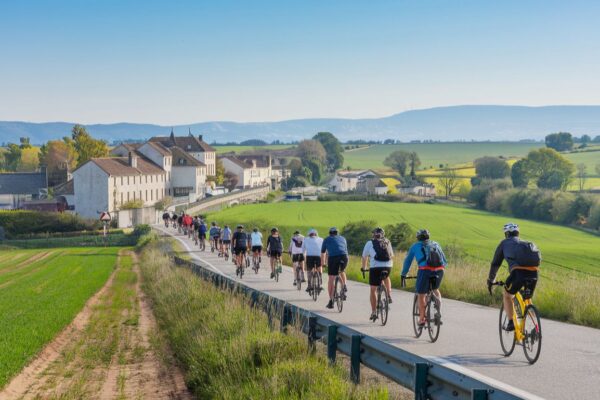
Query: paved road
x=568, y=368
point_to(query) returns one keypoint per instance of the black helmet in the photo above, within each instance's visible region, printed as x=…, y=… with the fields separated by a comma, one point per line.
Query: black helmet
x=422, y=234
x=378, y=231
x=213, y=223
x=255, y=230
x=297, y=232
x=333, y=230
x=274, y=229
x=240, y=226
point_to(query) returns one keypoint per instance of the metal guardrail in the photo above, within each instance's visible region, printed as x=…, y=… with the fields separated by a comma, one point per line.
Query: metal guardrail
x=427, y=379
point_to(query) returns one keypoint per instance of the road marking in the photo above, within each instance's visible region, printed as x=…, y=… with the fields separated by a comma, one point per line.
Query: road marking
x=483, y=378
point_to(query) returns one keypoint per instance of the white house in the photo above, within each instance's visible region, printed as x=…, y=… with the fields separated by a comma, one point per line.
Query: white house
x=251, y=170
x=194, y=146
x=105, y=184
x=417, y=189
x=346, y=181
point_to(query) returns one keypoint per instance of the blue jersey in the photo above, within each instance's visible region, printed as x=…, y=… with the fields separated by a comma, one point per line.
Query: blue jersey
x=202, y=228
x=335, y=246
x=418, y=251
x=214, y=231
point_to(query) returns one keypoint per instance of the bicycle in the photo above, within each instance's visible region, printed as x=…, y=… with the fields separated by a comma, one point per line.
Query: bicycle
x=315, y=282
x=255, y=263
x=433, y=322
x=277, y=268
x=528, y=327
x=202, y=244
x=298, y=274
x=225, y=253
x=239, y=270
x=383, y=301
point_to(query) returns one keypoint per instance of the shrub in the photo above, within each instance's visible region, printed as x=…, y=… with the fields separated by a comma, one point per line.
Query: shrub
x=479, y=194
x=594, y=217
x=164, y=203
x=400, y=235
x=132, y=204
x=142, y=229
x=23, y=222
x=357, y=233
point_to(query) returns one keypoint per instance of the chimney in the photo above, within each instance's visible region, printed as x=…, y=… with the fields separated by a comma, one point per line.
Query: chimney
x=132, y=160
x=200, y=137
x=253, y=163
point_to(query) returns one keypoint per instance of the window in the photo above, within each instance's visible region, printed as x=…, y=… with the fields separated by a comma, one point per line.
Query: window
x=151, y=195
x=115, y=181
x=134, y=196
x=156, y=194
x=127, y=196
x=128, y=184
x=121, y=195
x=146, y=178
x=121, y=181
x=141, y=196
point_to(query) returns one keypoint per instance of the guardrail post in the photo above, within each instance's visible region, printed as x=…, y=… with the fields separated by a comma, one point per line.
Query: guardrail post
x=421, y=370
x=286, y=317
x=355, y=359
x=479, y=394
x=332, y=343
x=312, y=333
x=254, y=299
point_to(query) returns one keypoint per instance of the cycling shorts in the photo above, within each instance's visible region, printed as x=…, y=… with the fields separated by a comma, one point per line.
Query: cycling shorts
x=424, y=276
x=240, y=250
x=297, y=257
x=375, y=277
x=216, y=238
x=313, y=262
x=519, y=279
x=202, y=236
x=337, y=265
x=256, y=248
x=226, y=241
x=274, y=253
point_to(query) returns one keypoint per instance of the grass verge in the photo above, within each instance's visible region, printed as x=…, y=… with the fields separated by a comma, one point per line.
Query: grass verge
x=228, y=349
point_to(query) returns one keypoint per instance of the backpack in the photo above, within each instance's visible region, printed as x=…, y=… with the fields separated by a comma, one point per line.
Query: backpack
x=527, y=254
x=381, y=250
x=241, y=239
x=297, y=242
x=432, y=253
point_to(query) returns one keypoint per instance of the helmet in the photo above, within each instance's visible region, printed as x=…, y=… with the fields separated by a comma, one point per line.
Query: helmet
x=226, y=226
x=333, y=229
x=511, y=227
x=313, y=232
x=378, y=231
x=240, y=226
x=422, y=234
x=274, y=229
x=296, y=232
x=255, y=230
x=213, y=223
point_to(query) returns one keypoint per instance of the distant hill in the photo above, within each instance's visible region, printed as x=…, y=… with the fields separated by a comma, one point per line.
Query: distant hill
x=441, y=123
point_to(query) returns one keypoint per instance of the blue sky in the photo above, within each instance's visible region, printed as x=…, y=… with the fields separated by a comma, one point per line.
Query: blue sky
x=177, y=62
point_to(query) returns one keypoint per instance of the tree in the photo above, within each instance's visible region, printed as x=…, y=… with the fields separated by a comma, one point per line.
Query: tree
x=581, y=176
x=560, y=141
x=414, y=162
x=230, y=180
x=491, y=168
x=398, y=161
x=585, y=139
x=25, y=143
x=58, y=157
x=333, y=149
x=449, y=181
x=86, y=146
x=253, y=142
x=219, y=173
x=518, y=174
x=549, y=169
x=312, y=150
x=12, y=157
x=315, y=168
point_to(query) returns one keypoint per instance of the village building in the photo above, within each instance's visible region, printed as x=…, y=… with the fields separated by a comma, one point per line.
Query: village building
x=348, y=180
x=193, y=145
x=417, y=189
x=19, y=187
x=250, y=170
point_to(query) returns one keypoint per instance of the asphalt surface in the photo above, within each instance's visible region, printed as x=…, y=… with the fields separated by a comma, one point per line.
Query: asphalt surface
x=569, y=364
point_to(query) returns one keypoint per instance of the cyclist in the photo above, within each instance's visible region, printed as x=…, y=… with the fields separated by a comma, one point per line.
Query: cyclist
x=274, y=249
x=379, y=252
x=334, y=254
x=179, y=223
x=202, y=231
x=240, y=245
x=311, y=246
x=225, y=239
x=215, y=234
x=426, y=252
x=256, y=242
x=509, y=250
x=187, y=224
x=196, y=226
x=296, y=251
x=166, y=218
x=174, y=220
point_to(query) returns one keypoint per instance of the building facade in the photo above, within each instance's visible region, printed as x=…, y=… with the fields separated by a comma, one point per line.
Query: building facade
x=251, y=171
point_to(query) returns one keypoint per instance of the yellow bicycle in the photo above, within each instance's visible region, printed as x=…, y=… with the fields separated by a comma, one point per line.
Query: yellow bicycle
x=528, y=327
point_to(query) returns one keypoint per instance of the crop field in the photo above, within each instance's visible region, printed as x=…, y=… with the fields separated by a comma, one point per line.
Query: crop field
x=41, y=291
x=476, y=232
x=434, y=154
x=239, y=149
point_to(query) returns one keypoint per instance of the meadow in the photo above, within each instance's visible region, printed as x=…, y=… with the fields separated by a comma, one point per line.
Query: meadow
x=41, y=291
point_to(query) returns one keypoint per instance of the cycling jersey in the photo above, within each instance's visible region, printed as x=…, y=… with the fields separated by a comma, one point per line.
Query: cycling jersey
x=369, y=251
x=202, y=228
x=274, y=244
x=296, y=245
x=507, y=250
x=226, y=234
x=335, y=245
x=256, y=239
x=215, y=231
x=312, y=246
x=241, y=240
x=416, y=251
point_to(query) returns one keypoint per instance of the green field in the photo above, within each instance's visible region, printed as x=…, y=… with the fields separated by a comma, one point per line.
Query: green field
x=477, y=232
x=41, y=291
x=240, y=149
x=434, y=154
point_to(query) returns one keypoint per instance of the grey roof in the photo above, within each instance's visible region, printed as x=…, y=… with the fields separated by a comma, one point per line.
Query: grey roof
x=188, y=143
x=22, y=182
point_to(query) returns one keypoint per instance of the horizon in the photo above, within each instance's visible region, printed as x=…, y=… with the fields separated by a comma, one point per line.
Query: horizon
x=169, y=64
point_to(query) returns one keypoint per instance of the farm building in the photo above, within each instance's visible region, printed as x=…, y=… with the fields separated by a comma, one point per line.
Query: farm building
x=348, y=180
x=251, y=170
x=387, y=186
x=18, y=187
x=417, y=189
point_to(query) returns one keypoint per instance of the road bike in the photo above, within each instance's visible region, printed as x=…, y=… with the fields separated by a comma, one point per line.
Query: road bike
x=213, y=244
x=225, y=253
x=202, y=244
x=278, y=268
x=382, y=307
x=298, y=274
x=527, y=323
x=315, y=281
x=240, y=268
x=433, y=314
x=255, y=263
x=338, y=293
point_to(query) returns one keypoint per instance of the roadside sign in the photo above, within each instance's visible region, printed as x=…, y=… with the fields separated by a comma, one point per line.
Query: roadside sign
x=105, y=216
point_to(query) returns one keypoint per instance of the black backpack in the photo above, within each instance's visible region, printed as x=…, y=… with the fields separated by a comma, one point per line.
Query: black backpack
x=381, y=250
x=433, y=255
x=241, y=239
x=527, y=254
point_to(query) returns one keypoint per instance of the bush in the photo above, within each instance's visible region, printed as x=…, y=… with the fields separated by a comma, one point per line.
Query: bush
x=401, y=235
x=479, y=193
x=163, y=204
x=594, y=217
x=142, y=229
x=23, y=222
x=132, y=204
x=357, y=233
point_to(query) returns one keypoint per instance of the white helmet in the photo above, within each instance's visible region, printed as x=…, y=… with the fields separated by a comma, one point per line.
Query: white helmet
x=511, y=227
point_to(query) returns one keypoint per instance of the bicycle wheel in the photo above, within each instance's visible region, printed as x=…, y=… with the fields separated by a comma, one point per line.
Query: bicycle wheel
x=277, y=272
x=298, y=278
x=507, y=338
x=418, y=329
x=382, y=304
x=433, y=326
x=315, y=285
x=338, y=294
x=532, y=327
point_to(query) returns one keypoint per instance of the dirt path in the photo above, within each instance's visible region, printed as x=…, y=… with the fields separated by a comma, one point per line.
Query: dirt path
x=111, y=350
